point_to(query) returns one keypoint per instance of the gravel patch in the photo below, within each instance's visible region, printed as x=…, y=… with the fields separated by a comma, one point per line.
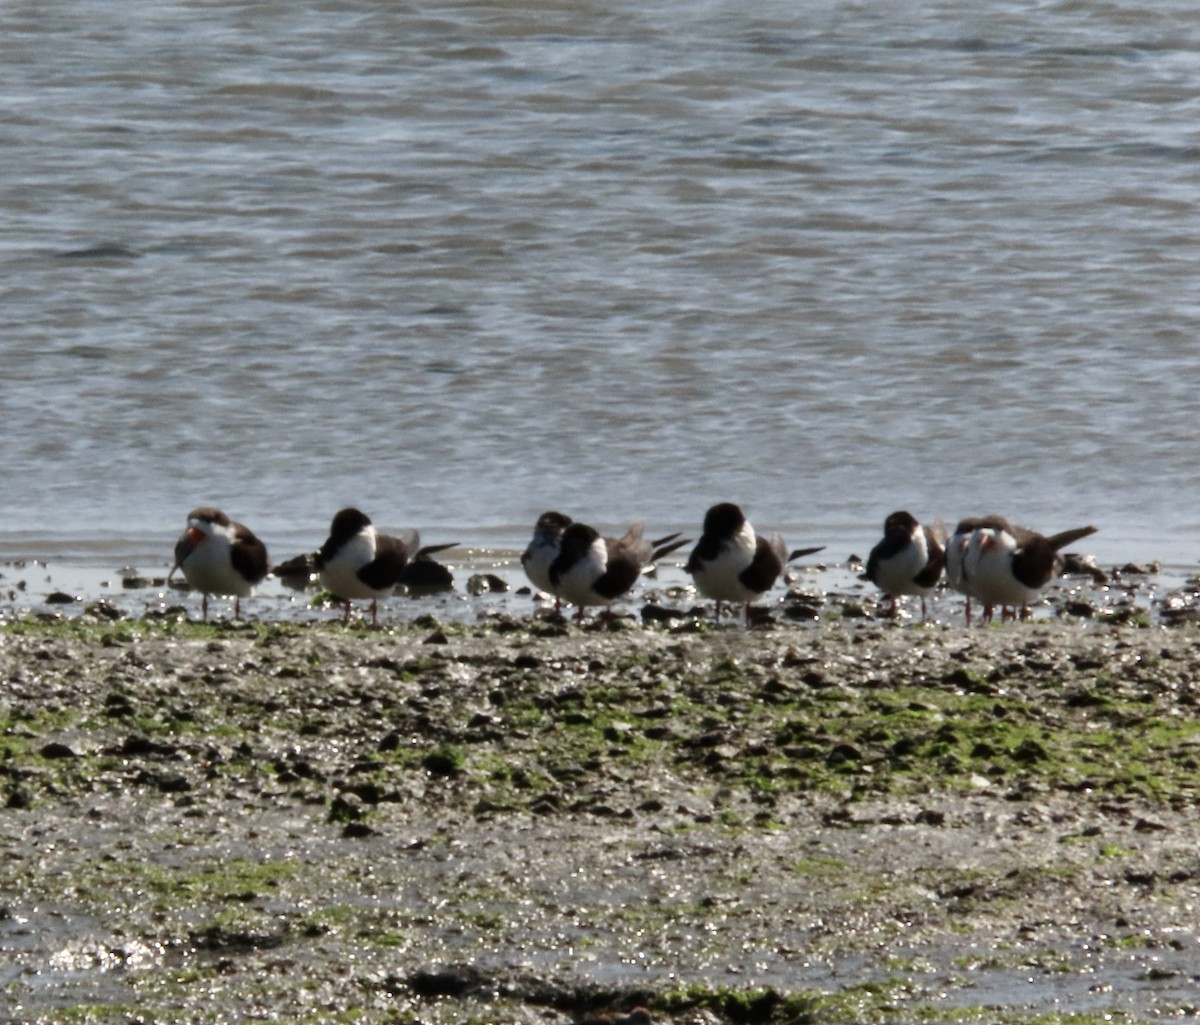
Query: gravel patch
x=523, y=821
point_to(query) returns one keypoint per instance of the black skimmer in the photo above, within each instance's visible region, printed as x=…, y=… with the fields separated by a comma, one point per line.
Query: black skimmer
x=909, y=559
x=1010, y=566
x=732, y=563
x=295, y=573
x=594, y=570
x=543, y=549
x=956, y=551
x=358, y=562
x=219, y=556
x=422, y=575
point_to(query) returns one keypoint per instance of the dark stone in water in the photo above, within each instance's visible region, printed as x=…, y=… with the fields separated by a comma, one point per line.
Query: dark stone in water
x=171, y=612
x=60, y=598
x=1133, y=569
x=659, y=614
x=1083, y=566
x=801, y=612
x=486, y=583
x=135, y=583
x=1178, y=610
x=1081, y=608
x=104, y=610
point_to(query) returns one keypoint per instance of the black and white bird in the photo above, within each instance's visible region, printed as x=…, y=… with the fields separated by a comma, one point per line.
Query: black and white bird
x=909, y=559
x=956, y=553
x=543, y=549
x=358, y=562
x=731, y=563
x=219, y=556
x=1010, y=566
x=594, y=570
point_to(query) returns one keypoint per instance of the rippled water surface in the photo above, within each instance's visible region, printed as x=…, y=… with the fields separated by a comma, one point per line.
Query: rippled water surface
x=460, y=263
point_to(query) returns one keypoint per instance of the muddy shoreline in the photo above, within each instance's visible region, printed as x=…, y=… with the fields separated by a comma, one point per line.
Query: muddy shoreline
x=524, y=821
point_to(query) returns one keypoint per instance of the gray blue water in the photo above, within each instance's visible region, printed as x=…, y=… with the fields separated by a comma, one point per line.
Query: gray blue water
x=461, y=263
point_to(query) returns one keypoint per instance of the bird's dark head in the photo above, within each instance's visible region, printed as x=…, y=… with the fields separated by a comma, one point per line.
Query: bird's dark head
x=989, y=522
x=723, y=520
x=347, y=523
x=576, y=540
x=209, y=514
x=553, y=521
x=900, y=522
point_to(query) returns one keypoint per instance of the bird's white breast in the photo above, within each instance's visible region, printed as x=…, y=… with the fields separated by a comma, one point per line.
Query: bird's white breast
x=538, y=556
x=896, y=574
x=340, y=574
x=987, y=566
x=718, y=578
x=209, y=566
x=575, y=585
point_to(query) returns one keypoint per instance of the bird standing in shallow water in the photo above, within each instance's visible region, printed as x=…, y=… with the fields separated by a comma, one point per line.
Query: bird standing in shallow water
x=357, y=561
x=594, y=570
x=543, y=550
x=219, y=556
x=956, y=553
x=909, y=559
x=732, y=563
x=1010, y=566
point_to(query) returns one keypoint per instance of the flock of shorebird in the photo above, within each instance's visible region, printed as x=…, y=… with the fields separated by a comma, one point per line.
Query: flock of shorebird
x=986, y=558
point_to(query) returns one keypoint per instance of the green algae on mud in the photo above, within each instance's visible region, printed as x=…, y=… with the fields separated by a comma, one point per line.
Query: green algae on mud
x=864, y=822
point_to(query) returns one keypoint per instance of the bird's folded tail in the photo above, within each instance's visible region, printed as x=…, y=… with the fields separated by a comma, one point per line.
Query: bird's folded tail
x=667, y=545
x=799, y=553
x=1060, y=541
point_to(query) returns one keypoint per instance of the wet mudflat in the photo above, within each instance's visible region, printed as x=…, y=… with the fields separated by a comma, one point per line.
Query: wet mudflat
x=524, y=821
